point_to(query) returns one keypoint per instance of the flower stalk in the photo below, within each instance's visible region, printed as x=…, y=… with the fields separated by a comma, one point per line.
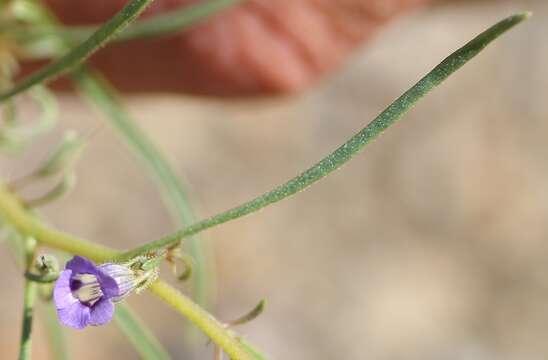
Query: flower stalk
x=29, y=300
x=13, y=213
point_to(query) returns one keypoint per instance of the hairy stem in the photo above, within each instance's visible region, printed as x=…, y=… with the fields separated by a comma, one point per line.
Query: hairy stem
x=202, y=319
x=13, y=213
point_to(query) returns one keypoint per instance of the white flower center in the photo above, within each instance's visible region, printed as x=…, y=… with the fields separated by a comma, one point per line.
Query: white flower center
x=86, y=288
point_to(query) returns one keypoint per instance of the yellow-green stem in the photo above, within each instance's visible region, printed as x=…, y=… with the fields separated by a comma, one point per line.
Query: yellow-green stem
x=200, y=318
x=14, y=213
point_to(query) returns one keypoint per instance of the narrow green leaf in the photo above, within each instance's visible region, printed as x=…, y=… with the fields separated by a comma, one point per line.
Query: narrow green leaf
x=14, y=136
x=250, y=316
x=167, y=23
x=139, y=336
x=353, y=146
x=83, y=51
x=98, y=91
x=64, y=157
x=177, y=20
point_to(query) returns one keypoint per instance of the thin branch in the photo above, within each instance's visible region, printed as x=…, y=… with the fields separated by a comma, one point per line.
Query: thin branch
x=13, y=212
x=29, y=300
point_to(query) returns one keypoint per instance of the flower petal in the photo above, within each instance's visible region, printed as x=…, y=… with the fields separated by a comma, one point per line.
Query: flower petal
x=76, y=315
x=81, y=265
x=109, y=287
x=124, y=276
x=102, y=312
x=62, y=294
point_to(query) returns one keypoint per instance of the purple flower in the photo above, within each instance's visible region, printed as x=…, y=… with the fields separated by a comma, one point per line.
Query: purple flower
x=84, y=292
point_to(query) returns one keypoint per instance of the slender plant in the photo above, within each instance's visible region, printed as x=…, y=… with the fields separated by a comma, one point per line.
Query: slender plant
x=91, y=288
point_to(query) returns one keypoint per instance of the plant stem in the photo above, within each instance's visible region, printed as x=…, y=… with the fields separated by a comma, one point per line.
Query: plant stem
x=76, y=56
x=13, y=213
x=28, y=313
x=29, y=299
x=208, y=324
x=353, y=146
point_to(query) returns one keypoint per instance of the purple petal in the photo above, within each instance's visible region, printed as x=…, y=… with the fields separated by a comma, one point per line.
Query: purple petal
x=124, y=277
x=76, y=315
x=102, y=312
x=109, y=287
x=62, y=294
x=81, y=265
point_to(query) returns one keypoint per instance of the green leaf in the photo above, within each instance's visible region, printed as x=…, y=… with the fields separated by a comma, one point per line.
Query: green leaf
x=139, y=336
x=98, y=91
x=176, y=20
x=14, y=137
x=352, y=147
x=76, y=56
x=64, y=157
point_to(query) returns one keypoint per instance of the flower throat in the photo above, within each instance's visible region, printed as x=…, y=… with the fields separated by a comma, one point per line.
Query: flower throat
x=86, y=288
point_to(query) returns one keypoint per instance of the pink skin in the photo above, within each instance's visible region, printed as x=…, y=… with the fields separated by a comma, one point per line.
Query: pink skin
x=258, y=47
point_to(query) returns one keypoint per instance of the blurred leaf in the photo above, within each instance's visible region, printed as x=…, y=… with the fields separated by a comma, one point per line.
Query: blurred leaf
x=15, y=136
x=176, y=20
x=83, y=51
x=54, y=332
x=98, y=91
x=250, y=316
x=139, y=336
x=64, y=156
x=61, y=189
x=173, y=21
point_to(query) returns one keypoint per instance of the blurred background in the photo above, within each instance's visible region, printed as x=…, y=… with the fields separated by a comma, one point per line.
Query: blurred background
x=431, y=244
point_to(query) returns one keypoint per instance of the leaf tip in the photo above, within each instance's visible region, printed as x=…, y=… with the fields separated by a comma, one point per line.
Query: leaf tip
x=519, y=17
